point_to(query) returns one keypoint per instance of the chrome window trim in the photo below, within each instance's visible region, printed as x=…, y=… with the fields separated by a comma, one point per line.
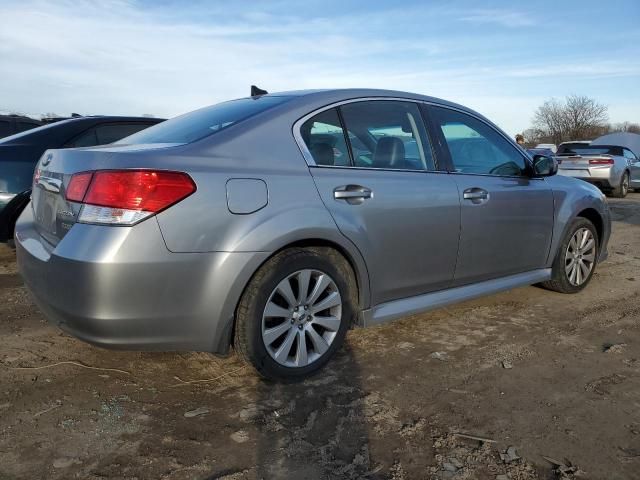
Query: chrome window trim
x=302, y=146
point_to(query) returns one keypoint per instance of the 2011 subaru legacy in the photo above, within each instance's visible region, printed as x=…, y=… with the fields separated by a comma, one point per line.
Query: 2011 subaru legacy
x=275, y=223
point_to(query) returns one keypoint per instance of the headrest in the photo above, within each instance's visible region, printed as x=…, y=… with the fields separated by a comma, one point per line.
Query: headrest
x=389, y=153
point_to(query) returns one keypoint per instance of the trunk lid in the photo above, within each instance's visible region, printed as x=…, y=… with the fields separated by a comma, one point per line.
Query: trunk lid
x=53, y=214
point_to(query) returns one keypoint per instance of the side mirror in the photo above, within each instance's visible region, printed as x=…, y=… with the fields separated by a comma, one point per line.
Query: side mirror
x=544, y=166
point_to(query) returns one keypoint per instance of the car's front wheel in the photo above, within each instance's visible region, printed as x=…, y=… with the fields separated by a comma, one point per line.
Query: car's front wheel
x=576, y=258
x=621, y=190
x=295, y=312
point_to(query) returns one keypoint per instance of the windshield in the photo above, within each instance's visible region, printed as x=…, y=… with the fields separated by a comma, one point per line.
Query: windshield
x=201, y=123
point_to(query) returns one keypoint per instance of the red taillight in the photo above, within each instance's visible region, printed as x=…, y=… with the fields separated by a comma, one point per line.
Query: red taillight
x=78, y=186
x=147, y=190
x=130, y=189
x=126, y=197
x=601, y=161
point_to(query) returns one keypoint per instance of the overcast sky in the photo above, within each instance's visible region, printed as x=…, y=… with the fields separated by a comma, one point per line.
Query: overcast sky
x=165, y=58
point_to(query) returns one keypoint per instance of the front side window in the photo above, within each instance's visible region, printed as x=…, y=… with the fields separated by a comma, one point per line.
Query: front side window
x=387, y=134
x=325, y=139
x=475, y=147
x=196, y=125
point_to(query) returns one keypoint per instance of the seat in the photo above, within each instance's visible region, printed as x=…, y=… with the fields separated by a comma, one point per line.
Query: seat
x=322, y=153
x=389, y=153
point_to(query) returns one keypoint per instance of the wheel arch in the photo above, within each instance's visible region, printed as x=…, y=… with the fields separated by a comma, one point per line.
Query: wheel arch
x=10, y=214
x=594, y=217
x=348, y=251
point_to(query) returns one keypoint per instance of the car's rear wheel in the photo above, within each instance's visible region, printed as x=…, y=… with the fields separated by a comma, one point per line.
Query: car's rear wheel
x=576, y=259
x=295, y=312
x=621, y=190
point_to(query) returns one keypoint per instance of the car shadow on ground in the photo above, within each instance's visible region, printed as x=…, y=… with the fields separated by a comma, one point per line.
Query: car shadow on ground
x=625, y=209
x=311, y=429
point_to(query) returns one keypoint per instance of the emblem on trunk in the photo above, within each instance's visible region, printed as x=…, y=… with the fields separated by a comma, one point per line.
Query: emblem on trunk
x=47, y=160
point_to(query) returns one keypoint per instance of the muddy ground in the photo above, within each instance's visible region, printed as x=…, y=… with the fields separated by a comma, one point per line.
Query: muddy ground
x=551, y=375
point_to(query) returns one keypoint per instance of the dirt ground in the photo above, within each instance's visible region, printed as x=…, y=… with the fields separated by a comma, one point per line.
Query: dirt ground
x=551, y=375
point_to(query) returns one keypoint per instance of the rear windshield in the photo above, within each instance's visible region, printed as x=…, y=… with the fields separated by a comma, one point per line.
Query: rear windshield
x=590, y=150
x=33, y=132
x=201, y=123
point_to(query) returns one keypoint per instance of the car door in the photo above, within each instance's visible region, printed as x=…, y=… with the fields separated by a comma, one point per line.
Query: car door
x=388, y=197
x=506, y=216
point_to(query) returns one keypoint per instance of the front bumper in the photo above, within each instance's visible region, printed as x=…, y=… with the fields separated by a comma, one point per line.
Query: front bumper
x=120, y=287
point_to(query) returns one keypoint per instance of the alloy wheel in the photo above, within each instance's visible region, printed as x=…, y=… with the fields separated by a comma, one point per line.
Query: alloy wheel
x=301, y=318
x=580, y=256
x=625, y=184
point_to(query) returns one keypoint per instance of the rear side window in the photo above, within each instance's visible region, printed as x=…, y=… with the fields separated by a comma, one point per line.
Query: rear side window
x=628, y=154
x=87, y=138
x=388, y=134
x=325, y=139
x=475, y=147
x=201, y=123
x=113, y=132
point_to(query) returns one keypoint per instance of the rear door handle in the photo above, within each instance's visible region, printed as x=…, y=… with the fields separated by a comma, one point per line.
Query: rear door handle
x=476, y=195
x=352, y=193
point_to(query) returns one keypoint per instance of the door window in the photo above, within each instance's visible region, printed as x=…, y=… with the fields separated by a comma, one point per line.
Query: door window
x=475, y=147
x=387, y=134
x=324, y=137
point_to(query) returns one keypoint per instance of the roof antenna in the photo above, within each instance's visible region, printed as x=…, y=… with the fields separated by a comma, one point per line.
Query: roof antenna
x=255, y=91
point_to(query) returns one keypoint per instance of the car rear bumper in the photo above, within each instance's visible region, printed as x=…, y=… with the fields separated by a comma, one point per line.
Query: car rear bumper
x=603, y=177
x=120, y=287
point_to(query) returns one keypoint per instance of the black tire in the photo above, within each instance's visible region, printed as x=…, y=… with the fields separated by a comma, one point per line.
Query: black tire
x=248, y=341
x=621, y=190
x=559, y=279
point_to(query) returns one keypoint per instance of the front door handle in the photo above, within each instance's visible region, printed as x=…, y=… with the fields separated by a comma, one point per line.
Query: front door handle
x=476, y=195
x=353, y=194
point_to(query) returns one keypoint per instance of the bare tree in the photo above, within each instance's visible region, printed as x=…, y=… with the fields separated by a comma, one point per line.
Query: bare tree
x=577, y=118
x=625, y=127
x=548, y=120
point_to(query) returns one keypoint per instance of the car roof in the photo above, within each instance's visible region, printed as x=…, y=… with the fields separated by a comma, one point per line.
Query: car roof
x=340, y=94
x=306, y=101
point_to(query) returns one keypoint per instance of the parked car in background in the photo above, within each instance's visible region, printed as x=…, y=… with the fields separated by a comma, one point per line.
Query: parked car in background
x=12, y=124
x=567, y=146
x=261, y=223
x=19, y=154
x=606, y=166
x=549, y=146
x=540, y=151
x=630, y=141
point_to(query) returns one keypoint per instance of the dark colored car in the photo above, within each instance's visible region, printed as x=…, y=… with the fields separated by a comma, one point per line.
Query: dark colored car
x=19, y=154
x=12, y=124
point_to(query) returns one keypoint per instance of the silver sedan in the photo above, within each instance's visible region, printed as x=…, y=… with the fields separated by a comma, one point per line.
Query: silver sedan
x=274, y=223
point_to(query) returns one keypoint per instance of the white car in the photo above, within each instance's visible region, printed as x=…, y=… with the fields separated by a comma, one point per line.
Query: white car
x=609, y=167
